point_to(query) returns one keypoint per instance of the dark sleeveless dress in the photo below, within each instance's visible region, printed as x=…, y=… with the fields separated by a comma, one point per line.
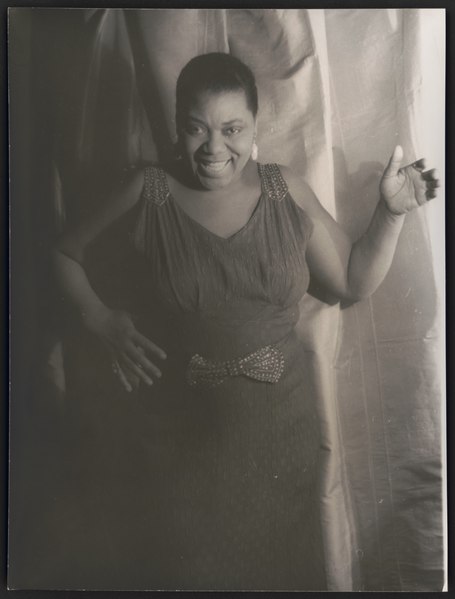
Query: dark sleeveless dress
x=216, y=487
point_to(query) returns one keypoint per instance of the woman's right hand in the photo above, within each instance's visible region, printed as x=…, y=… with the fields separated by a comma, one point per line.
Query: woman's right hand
x=133, y=354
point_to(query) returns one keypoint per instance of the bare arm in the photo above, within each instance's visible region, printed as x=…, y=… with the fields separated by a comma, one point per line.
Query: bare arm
x=129, y=348
x=355, y=270
x=70, y=250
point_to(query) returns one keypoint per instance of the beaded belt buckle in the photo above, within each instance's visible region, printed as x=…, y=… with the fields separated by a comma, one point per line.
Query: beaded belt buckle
x=265, y=364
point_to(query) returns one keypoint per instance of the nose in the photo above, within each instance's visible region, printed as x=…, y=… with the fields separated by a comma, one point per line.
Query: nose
x=215, y=143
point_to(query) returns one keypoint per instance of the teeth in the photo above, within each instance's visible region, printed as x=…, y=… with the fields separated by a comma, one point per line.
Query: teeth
x=214, y=166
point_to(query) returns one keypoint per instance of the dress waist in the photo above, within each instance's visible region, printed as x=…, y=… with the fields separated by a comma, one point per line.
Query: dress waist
x=217, y=337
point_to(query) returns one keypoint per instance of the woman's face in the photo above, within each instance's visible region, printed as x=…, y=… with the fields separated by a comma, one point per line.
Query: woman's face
x=216, y=137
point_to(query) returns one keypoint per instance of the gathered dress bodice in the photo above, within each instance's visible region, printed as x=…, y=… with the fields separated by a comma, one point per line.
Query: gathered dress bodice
x=224, y=297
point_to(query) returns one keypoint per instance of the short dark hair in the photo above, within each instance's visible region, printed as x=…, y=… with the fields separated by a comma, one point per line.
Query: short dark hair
x=214, y=72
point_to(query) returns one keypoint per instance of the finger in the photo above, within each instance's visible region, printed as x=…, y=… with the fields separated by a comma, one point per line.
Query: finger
x=432, y=184
x=430, y=194
x=139, y=358
x=137, y=370
x=117, y=369
x=419, y=164
x=430, y=175
x=149, y=346
x=394, y=163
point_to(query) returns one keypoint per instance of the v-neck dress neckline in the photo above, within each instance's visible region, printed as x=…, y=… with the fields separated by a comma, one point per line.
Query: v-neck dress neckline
x=249, y=223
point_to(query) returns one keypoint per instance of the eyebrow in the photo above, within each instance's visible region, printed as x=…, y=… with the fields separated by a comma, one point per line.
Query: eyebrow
x=194, y=118
x=234, y=121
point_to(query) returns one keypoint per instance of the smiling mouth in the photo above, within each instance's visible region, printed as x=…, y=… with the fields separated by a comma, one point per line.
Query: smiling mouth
x=214, y=166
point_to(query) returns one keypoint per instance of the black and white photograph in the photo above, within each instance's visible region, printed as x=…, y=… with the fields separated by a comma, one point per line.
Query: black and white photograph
x=227, y=299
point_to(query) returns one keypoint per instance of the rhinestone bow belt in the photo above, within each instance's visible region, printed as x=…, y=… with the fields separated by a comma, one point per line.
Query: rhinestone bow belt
x=265, y=364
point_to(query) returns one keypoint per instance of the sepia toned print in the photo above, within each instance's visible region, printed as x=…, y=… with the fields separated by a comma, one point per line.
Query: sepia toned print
x=227, y=282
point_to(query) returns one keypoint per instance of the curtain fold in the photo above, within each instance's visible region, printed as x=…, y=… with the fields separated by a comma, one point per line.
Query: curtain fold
x=337, y=90
x=387, y=370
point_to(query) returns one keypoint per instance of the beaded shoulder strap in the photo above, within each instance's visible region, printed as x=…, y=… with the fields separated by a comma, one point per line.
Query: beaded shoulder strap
x=156, y=189
x=273, y=182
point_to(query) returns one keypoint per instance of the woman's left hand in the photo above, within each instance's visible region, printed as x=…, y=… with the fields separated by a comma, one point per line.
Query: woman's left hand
x=406, y=188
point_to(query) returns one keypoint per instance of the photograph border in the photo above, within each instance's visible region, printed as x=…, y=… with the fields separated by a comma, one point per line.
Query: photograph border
x=9, y=230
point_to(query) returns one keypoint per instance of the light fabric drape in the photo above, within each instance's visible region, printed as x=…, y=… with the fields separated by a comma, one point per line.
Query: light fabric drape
x=338, y=89
x=388, y=368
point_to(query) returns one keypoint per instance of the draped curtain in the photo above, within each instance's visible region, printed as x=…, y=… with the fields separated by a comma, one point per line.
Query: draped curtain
x=338, y=89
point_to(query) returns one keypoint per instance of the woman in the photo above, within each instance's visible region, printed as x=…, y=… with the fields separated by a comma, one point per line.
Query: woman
x=226, y=492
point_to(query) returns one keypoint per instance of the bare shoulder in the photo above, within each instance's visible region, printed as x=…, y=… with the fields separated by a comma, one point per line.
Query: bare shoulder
x=326, y=229
x=301, y=191
x=126, y=193
x=127, y=190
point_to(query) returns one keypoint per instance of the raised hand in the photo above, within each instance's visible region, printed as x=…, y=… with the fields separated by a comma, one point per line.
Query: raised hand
x=406, y=188
x=132, y=353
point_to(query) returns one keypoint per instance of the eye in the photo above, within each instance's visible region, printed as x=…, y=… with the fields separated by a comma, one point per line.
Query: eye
x=194, y=129
x=232, y=131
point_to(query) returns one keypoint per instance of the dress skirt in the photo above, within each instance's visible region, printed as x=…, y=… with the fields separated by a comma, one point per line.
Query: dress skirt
x=207, y=490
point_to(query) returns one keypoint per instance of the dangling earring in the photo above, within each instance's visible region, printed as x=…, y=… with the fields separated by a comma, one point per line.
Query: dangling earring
x=177, y=154
x=254, y=151
x=176, y=148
